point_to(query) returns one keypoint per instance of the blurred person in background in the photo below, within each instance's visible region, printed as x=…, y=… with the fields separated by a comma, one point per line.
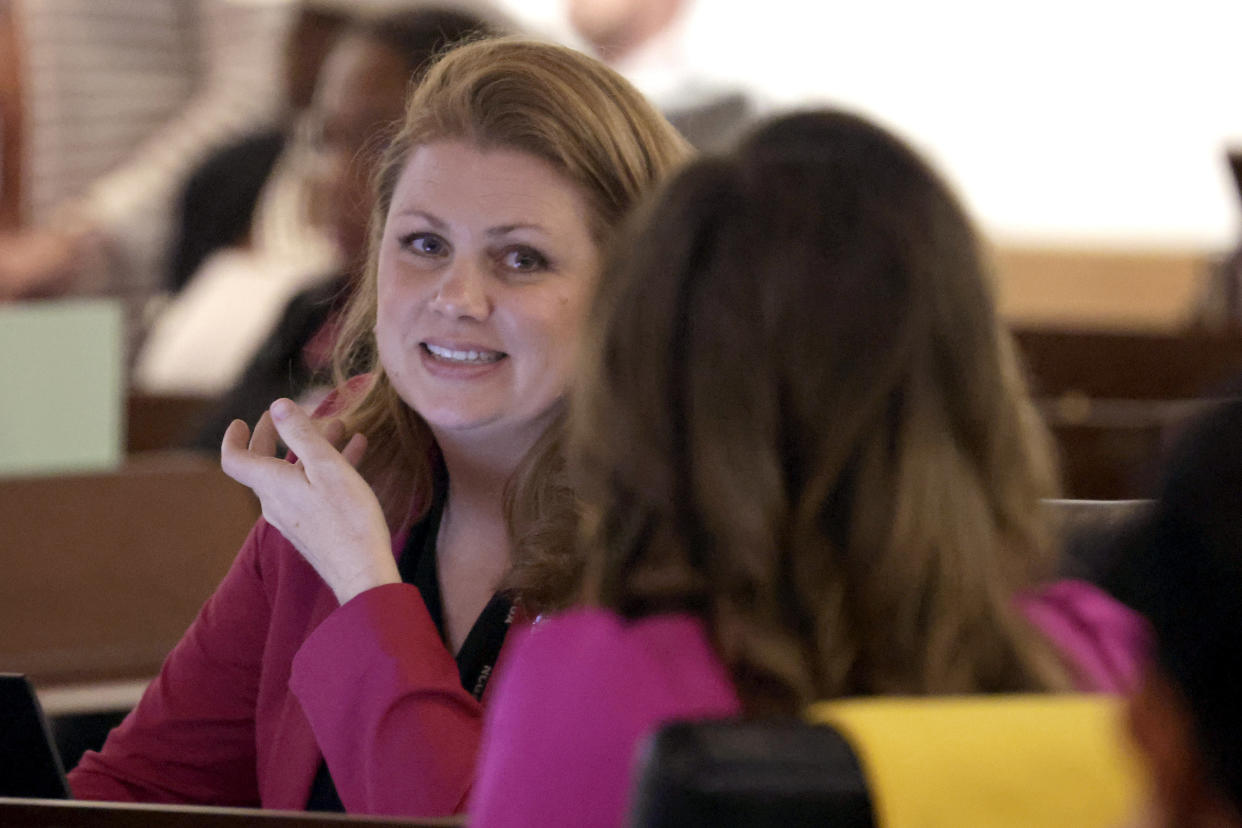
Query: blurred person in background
x=120, y=99
x=645, y=40
x=807, y=468
x=252, y=193
x=1185, y=562
x=257, y=325
x=10, y=121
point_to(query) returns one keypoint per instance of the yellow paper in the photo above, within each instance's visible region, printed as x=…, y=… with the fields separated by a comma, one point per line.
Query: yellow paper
x=1038, y=761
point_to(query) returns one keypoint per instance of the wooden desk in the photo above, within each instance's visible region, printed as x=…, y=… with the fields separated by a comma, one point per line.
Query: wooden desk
x=1100, y=287
x=1128, y=366
x=45, y=813
x=67, y=700
x=1113, y=449
x=103, y=572
x=1114, y=400
x=159, y=422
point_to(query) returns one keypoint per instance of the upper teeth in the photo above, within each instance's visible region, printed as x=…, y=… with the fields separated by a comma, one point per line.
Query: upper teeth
x=463, y=356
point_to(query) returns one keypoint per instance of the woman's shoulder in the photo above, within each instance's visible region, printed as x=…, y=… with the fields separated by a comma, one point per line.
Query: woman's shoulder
x=595, y=633
x=655, y=655
x=1104, y=639
x=581, y=691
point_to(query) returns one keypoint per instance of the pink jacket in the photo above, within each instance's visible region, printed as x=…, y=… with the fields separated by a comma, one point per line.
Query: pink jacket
x=271, y=672
x=582, y=690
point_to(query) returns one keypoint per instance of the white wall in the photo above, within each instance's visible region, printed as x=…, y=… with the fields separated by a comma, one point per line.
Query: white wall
x=1097, y=121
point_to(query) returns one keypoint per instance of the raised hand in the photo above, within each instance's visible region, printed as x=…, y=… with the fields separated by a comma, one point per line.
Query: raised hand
x=321, y=503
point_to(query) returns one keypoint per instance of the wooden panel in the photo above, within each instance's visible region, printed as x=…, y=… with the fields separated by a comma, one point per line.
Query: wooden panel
x=1113, y=449
x=1066, y=287
x=155, y=422
x=104, y=572
x=1108, y=463
x=1113, y=400
x=41, y=813
x=1129, y=366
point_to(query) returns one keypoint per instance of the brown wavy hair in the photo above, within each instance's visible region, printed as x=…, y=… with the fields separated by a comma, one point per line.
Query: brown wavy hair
x=801, y=421
x=593, y=127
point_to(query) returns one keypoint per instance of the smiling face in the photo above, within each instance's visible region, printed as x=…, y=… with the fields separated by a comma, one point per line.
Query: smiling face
x=486, y=269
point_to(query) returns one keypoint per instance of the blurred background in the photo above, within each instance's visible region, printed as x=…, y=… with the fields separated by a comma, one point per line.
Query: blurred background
x=179, y=224
x=1096, y=122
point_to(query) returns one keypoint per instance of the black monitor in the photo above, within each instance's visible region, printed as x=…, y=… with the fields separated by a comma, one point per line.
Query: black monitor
x=29, y=763
x=740, y=773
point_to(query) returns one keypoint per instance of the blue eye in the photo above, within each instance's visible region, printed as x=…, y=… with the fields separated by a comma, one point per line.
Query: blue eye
x=425, y=244
x=524, y=260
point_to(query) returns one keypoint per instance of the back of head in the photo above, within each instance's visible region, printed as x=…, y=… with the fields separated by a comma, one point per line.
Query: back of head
x=1188, y=558
x=803, y=422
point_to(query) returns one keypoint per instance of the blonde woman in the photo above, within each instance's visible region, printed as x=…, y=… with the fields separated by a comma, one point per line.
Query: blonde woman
x=345, y=658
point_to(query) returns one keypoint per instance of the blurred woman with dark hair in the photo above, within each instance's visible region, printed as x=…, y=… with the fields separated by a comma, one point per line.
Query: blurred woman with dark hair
x=1185, y=566
x=808, y=468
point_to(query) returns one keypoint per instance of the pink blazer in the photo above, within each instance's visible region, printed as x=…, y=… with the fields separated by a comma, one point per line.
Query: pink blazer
x=582, y=691
x=272, y=676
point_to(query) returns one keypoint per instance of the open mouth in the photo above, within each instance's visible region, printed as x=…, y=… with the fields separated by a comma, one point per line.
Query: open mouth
x=455, y=357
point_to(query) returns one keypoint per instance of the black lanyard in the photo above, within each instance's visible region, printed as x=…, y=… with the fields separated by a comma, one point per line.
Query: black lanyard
x=477, y=657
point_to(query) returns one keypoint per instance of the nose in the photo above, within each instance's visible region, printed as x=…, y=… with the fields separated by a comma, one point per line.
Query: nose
x=462, y=292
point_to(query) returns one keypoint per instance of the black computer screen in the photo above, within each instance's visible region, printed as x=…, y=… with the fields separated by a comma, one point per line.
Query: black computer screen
x=29, y=764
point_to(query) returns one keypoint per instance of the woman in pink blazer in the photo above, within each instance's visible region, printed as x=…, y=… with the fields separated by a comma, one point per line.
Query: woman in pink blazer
x=808, y=468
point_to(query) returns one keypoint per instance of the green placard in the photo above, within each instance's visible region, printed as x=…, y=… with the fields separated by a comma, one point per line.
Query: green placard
x=61, y=399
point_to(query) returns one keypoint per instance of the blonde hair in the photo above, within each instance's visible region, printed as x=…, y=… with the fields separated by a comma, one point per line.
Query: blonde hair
x=802, y=421
x=510, y=93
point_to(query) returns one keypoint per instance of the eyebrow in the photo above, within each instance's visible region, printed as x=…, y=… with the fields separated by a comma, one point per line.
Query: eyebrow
x=433, y=220
x=501, y=230
x=505, y=229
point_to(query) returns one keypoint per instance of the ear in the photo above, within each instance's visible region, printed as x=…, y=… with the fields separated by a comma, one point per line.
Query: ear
x=1161, y=728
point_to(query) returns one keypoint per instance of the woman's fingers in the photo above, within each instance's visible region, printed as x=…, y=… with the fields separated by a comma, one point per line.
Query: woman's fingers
x=235, y=452
x=354, y=449
x=321, y=504
x=263, y=441
x=333, y=431
x=301, y=436
x=251, y=462
x=236, y=436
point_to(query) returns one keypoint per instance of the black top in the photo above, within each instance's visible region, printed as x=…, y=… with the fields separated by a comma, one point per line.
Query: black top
x=478, y=652
x=218, y=202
